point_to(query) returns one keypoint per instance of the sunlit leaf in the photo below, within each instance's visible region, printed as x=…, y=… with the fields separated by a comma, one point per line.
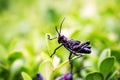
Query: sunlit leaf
x=16, y=67
x=50, y=43
x=46, y=69
x=26, y=76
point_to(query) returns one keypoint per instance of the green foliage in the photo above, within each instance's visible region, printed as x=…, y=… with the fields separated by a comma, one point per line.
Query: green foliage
x=25, y=48
x=94, y=76
x=105, y=69
x=106, y=66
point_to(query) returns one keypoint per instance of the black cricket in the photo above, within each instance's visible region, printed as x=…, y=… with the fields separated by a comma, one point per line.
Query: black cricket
x=74, y=46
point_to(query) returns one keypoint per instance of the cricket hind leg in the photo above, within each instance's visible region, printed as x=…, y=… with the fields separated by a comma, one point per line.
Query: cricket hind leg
x=89, y=47
x=51, y=38
x=85, y=48
x=70, y=62
x=55, y=50
x=79, y=54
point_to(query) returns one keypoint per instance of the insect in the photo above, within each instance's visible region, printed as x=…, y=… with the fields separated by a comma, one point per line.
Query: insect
x=74, y=46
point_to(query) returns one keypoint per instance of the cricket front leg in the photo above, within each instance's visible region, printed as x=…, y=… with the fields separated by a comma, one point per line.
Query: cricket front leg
x=55, y=50
x=51, y=38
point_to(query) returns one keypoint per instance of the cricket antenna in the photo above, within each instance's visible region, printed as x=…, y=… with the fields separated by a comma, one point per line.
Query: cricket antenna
x=57, y=30
x=61, y=24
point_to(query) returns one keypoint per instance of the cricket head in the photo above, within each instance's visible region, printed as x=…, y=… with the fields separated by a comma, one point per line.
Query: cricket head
x=61, y=38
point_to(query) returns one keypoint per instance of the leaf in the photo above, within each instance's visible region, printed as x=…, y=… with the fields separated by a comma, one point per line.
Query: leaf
x=106, y=66
x=116, y=53
x=46, y=69
x=13, y=56
x=46, y=37
x=50, y=44
x=26, y=76
x=94, y=76
x=16, y=67
x=104, y=54
x=63, y=64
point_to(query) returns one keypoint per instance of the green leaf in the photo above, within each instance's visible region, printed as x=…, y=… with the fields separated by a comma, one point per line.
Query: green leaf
x=116, y=53
x=50, y=43
x=46, y=69
x=94, y=76
x=26, y=76
x=106, y=66
x=104, y=54
x=13, y=56
x=46, y=37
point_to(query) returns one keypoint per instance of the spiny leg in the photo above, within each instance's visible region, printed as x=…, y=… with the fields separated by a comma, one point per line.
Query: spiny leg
x=70, y=61
x=51, y=38
x=85, y=43
x=83, y=46
x=55, y=50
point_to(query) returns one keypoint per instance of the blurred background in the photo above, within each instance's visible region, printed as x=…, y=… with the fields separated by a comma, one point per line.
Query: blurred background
x=24, y=25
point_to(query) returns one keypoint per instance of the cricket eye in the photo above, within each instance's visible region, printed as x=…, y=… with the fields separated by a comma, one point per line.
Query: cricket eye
x=61, y=38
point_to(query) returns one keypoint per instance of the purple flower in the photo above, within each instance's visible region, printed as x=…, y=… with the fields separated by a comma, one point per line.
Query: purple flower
x=60, y=78
x=39, y=76
x=67, y=76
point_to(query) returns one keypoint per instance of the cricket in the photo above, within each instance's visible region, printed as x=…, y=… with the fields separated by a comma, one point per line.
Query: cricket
x=73, y=46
